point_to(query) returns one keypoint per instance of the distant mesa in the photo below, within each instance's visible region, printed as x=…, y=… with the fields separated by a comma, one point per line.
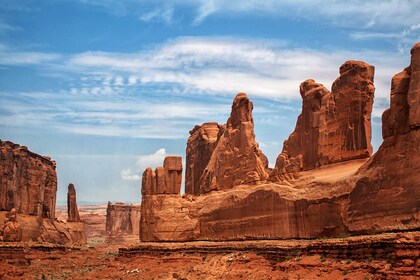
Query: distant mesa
x=122, y=222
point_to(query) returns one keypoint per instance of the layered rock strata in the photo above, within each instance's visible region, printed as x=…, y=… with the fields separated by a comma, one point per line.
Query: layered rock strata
x=122, y=219
x=200, y=146
x=333, y=126
x=366, y=195
x=236, y=158
x=72, y=211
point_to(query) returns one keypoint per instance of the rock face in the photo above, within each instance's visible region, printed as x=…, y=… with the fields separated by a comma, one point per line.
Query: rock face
x=72, y=211
x=387, y=194
x=333, y=126
x=164, y=180
x=122, y=219
x=200, y=146
x=360, y=195
x=11, y=231
x=28, y=181
x=236, y=159
x=28, y=186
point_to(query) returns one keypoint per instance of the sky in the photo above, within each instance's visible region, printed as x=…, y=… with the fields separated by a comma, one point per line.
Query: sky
x=107, y=88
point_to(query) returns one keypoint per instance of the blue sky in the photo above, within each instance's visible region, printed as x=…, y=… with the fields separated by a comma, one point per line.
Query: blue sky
x=107, y=88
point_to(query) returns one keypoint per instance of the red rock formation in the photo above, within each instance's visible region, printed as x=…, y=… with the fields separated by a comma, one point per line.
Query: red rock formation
x=165, y=180
x=378, y=194
x=148, y=182
x=11, y=231
x=173, y=174
x=72, y=211
x=236, y=144
x=333, y=126
x=122, y=219
x=200, y=146
x=387, y=193
x=28, y=181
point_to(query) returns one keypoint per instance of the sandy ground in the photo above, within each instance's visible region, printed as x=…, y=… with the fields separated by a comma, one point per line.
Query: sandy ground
x=103, y=262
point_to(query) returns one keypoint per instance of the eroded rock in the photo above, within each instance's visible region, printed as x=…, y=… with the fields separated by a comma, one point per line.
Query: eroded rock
x=165, y=179
x=200, y=146
x=333, y=126
x=28, y=181
x=72, y=211
x=387, y=192
x=236, y=159
x=11, y=230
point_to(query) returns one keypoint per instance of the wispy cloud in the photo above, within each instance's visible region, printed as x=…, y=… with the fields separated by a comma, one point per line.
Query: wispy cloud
x=142, y=162
x=164, y=14
x=368, y=14
x=5, y=28
x=138, y=90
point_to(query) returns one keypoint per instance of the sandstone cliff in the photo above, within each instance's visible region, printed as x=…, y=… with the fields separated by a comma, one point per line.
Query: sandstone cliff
x=387, y=193
x=28, y=181
x=359, y=195
x=333, y=126
x=236, y=159
x=28, y=186
x=200, y=146
x=164, y=181
x=122, y=219
x=72, y=211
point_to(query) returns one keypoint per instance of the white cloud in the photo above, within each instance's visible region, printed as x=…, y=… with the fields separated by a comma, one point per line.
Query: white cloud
x=222, y=65
x=142, y=162
x=200, y=68
x=126, y=174
x=132, y=80
x=119, y=81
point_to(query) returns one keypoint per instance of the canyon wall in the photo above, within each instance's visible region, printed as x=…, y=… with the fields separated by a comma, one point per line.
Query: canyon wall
x=387, y=194
x=28, y=187
x=335, y=194
x=333, y=126
x=28, y=181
